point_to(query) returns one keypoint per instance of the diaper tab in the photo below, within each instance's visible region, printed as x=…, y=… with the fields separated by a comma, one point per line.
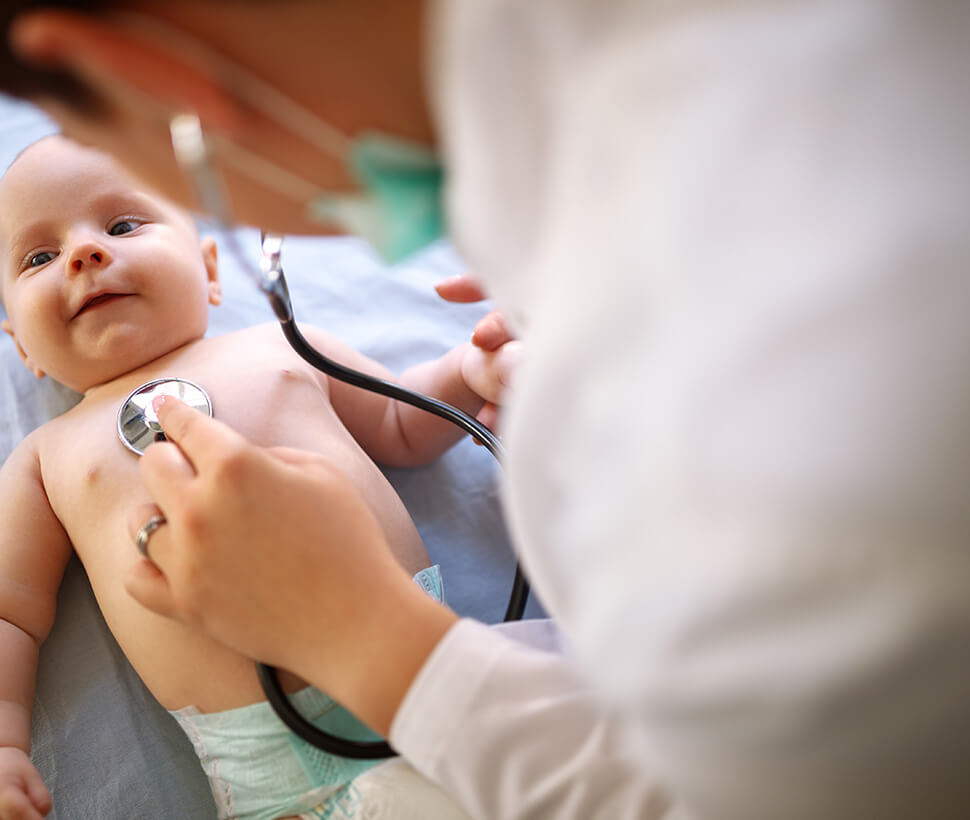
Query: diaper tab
x=430, y=581
x=258, y=769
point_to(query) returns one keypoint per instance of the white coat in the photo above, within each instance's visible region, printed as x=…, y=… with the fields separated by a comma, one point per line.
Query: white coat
x=735, y=236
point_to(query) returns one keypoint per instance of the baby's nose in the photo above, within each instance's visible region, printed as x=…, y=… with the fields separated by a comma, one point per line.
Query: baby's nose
x=88, y=254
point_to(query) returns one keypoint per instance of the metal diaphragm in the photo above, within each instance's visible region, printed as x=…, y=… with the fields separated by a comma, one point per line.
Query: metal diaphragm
x=137, y=422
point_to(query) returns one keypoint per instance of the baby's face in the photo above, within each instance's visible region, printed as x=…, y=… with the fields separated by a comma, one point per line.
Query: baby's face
x=98, y=277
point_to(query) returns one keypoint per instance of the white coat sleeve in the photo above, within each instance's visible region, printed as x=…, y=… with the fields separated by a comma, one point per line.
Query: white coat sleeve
x=510, y=732
x=736, y=238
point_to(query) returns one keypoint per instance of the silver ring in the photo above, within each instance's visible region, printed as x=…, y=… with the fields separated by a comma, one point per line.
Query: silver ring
x=145, y=532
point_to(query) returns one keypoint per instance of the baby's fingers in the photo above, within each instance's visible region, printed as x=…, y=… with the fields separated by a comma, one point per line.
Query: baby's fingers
x=490, y=373
x=40, y=795
x=488, y=415
x=22, y=800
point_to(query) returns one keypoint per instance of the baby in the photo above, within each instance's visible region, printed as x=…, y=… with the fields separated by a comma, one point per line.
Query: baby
x=107, y=287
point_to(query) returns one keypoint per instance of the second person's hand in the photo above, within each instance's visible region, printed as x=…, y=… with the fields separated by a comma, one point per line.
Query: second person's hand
x=489, y=368
x=274, y=553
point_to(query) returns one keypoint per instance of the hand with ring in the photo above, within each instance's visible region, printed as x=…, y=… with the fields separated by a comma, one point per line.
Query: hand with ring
x=145, y=531
x=274, y=552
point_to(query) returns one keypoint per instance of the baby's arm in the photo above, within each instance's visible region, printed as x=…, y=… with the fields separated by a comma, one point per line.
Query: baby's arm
x=396, y=434
x=34, y=550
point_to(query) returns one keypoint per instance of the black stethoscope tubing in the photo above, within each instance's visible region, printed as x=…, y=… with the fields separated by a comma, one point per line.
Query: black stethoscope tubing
x=268, y=675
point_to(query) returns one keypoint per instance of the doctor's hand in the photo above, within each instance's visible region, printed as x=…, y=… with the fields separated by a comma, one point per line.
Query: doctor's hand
x=274, y=553
x=491, y=331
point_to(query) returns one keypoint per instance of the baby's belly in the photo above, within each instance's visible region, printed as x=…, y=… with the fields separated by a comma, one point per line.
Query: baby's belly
x=181, y=666
x=170, y=657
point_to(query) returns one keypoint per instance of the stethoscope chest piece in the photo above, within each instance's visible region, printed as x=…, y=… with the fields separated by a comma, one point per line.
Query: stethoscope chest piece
x=137, y=423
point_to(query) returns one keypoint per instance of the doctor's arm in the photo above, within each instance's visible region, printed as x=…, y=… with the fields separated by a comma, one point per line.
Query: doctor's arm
x=511, y=731
x=508, y=731
x=34, y=551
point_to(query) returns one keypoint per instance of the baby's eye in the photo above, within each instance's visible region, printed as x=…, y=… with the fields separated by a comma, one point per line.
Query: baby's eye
x=41, y=258
x=123, y=226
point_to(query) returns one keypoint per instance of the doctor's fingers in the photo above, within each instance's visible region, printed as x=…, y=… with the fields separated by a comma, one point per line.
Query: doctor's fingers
x=145, y=581
x=204, y=441
x=139, y=516
x=491, y=332
x=167, y=474
x=463, y=288
x=147, y=584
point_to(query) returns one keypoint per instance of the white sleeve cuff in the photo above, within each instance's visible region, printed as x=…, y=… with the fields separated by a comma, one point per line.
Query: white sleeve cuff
x=439, y=697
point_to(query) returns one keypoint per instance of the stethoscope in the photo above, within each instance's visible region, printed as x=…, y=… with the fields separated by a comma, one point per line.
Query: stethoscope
x=138, y=426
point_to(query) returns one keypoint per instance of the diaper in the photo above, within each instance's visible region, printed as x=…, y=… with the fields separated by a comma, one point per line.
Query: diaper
x=259, y=770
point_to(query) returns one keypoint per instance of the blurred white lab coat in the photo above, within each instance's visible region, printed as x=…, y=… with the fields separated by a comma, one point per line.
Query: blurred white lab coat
x=735, y=237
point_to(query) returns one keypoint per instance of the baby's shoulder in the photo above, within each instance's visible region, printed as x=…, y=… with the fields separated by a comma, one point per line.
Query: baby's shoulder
x=264, y=342
x=266, y=333
x=25, y=457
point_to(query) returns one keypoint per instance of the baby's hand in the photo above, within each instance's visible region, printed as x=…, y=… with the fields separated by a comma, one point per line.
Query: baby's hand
x=491, y=332
x=487, y=369
x=489, y=373
x=23, y=795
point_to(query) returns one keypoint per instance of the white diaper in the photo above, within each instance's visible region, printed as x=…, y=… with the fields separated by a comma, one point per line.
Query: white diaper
x=259, y=770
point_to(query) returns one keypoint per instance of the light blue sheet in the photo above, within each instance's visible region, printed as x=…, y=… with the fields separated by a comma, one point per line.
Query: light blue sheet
x=105, y=748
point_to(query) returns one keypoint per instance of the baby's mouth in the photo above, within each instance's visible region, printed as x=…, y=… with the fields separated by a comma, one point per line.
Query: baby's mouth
x=99, y=300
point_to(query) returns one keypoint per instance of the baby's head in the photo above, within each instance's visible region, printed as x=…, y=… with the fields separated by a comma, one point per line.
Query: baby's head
x=98, y=276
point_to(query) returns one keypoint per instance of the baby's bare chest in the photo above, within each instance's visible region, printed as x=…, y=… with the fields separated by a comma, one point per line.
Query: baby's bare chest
x=93, y=480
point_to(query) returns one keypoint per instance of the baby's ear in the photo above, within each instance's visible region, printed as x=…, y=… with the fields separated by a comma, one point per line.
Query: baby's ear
x=210, y=258
x=33, y=368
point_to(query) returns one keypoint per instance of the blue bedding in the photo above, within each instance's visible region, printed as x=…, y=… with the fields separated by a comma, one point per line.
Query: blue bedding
x=105, y=748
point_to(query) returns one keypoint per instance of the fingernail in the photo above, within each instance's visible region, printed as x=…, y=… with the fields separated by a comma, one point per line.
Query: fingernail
x=158, y=401
x=487, y=336
x=449, y=281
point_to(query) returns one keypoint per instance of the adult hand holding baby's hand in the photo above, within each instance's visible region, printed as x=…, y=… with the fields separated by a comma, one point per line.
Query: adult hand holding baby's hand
x=488, y=367
x=274, y=553
x=23, y=795
x=489, y=373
